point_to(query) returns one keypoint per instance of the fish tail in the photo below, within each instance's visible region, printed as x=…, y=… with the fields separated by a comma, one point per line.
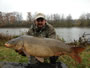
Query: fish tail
x=75, y=53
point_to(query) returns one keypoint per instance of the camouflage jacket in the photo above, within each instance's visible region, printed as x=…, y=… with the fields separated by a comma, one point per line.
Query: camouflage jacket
x=47, y=31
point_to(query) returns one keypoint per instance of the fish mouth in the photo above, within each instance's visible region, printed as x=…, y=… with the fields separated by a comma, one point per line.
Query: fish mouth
x=7, y=45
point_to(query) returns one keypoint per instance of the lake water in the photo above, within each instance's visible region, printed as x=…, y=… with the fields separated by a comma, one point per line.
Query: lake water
x=69, y=34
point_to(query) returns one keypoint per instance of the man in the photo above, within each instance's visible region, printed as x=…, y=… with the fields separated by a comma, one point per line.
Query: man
x=40, y=28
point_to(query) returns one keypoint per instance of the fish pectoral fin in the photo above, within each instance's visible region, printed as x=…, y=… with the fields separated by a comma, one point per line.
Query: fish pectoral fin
x=40, y=59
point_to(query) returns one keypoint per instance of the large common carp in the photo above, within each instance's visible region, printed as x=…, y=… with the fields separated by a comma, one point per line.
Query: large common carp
x=43, y=47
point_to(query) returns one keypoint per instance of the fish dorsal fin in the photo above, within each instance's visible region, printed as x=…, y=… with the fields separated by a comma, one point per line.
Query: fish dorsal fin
x=40, y=59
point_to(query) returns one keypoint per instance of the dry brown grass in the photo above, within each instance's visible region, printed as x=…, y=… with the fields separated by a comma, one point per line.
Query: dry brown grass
x=5, y=37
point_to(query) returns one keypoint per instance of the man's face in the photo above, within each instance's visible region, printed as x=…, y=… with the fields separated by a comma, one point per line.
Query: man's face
x=40, y=22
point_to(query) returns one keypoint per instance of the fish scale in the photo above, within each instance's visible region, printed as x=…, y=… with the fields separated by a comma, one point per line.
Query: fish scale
x=43, y=47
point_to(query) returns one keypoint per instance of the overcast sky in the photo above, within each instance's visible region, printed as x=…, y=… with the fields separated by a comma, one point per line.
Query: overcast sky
x=73, y=7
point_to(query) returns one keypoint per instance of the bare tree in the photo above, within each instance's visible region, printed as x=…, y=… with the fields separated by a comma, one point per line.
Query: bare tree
x=29, y=17
x=18, y=16
x=69, y=20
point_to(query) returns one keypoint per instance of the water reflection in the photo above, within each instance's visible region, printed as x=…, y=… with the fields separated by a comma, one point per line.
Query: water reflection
x=69, y=34
x=13, y=31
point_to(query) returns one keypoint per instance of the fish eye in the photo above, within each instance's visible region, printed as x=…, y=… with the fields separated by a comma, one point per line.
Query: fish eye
x=13, y=40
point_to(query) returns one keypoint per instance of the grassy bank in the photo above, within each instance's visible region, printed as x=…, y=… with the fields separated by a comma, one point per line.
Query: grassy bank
x=7, y=54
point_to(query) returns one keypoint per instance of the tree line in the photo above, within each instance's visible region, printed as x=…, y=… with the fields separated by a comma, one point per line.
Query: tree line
x=15, y=19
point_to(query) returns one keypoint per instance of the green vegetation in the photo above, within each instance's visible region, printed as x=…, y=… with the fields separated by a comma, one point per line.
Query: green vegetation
x=7, y=54
x=72, y=64
x=10, y=55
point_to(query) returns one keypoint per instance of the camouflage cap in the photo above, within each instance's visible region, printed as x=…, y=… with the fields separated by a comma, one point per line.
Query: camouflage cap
x=39, y=15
